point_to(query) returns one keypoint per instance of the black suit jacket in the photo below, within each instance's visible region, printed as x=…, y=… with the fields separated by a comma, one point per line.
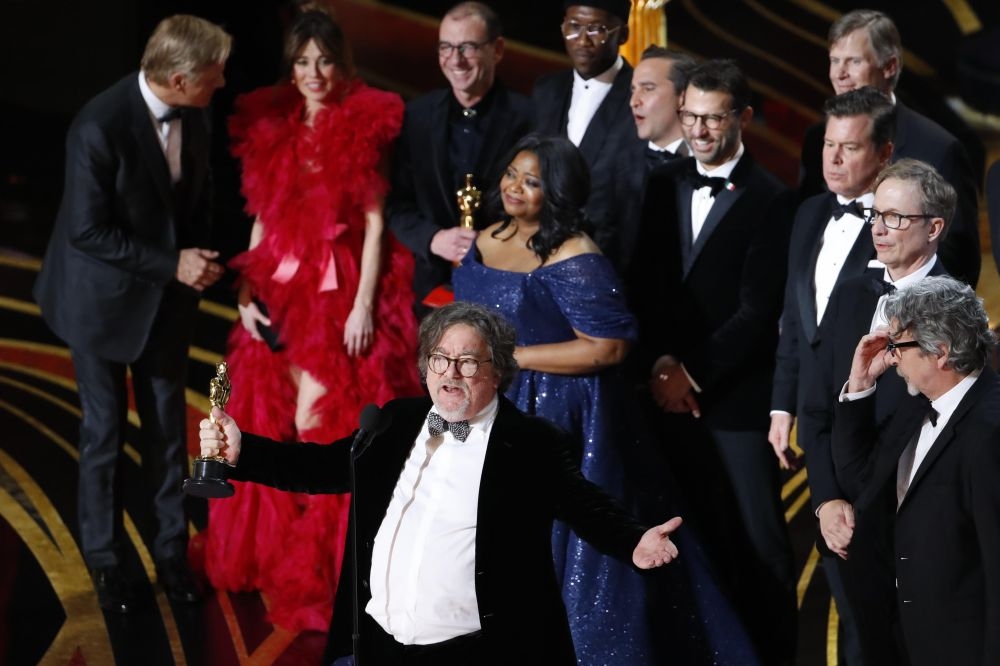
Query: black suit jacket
x=610, y=133
x=920, y=138
x=714, y=305
x=634, y=167
x=114, y=250
x=422, y=199
x=795, y=368
x=947, y=532
x=529, y=479
x=848, y=317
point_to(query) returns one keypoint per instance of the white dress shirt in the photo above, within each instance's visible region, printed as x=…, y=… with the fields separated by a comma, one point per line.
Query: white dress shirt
x=702, y=198
x=916, y=450
x=587, y=97
x=878, y=319
x=839, y=237
x=168, y=133
x=423, y=579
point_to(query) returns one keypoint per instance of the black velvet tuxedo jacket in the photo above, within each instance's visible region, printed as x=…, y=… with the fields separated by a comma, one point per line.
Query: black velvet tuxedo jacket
x=634, y=166
x=422, y=199
x=114, y=250
x=715, y=304
x=920, y=138
x=848, y=317
x=795, y=368
x=529, y=479
x=610, y=133
x=947, y=531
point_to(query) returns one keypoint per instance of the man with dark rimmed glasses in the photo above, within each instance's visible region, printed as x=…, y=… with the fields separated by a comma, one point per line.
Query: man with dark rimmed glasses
x=911, y=212
x=927, y=484
x=589, y=104
x=447, y=133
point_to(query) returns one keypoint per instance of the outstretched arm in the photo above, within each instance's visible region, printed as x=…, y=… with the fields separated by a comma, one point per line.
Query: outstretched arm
x=655, y=547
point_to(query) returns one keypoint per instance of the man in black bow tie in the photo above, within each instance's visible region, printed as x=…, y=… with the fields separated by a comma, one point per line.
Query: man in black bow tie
x=453, y=508
x=865, y=49
x=830, y=243
x=911, y=210
x=706, y=283
x=929, y=486
x=658, y=82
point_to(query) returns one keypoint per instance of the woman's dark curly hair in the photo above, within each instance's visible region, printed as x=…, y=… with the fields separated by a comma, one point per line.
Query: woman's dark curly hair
x=565, y=180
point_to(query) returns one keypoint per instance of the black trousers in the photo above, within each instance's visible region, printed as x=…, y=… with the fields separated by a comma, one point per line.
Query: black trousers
x=158, y=380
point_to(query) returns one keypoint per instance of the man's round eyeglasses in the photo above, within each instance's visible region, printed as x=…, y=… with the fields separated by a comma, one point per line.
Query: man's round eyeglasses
x=712, y=121
x=465, y=49
x=467, y=367
x=893, y=220
x=573, y=30
x=891, y=346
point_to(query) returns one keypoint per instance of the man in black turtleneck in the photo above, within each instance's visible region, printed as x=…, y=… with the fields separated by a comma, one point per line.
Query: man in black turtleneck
x=447, y=134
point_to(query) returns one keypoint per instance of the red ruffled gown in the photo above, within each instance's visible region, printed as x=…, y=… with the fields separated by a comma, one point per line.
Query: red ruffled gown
x=309, y=187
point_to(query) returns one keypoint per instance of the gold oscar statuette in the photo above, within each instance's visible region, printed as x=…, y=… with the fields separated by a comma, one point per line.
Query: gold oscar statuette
x=469, y=199
x=208, y=474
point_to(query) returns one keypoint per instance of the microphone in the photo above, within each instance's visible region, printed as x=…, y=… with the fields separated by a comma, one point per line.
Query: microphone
x=372, y=422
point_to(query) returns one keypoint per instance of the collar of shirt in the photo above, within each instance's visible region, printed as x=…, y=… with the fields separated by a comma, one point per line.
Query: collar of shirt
x=605, y=78
x=474, y=113
x=672, y=146
x=915, y=276
x=945, y=404
x=483, y=421
x=867, y=199
x=723, y=170
x=156, y=106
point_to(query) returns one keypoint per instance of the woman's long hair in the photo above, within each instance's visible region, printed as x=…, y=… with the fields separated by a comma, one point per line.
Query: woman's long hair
x=565, y=180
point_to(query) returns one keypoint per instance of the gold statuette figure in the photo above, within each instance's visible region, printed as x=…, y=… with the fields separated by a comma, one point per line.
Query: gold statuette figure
x=469, y=198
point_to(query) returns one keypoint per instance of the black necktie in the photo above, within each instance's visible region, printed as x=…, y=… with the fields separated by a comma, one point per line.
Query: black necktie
x=172, y=113
x=699, y=180
x=932, y=417
x=852, y=207
x=437, y=425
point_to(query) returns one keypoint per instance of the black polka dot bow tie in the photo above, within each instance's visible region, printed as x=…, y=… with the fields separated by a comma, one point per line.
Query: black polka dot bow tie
x=437, y=425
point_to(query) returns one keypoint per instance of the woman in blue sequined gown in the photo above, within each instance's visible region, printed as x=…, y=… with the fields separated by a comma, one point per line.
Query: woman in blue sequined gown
x=540, y=269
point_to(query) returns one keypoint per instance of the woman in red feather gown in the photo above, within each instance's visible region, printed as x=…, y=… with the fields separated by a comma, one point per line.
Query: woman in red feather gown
x=337, y=293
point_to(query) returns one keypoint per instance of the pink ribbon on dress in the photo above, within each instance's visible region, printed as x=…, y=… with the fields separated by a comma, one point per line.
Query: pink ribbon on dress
x=289, y=265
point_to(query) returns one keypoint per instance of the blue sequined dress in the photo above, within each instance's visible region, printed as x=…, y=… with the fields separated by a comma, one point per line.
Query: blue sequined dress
x=618, y=615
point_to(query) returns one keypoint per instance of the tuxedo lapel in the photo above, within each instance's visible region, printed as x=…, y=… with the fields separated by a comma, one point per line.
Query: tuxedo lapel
x=604, y=119
x=805, y=276
x=947, y=434
x=439, y=150
x=684, y=192
x=149, y=146
x=724, y=200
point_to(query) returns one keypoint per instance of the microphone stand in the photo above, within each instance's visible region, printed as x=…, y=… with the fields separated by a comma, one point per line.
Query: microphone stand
x=355, y=629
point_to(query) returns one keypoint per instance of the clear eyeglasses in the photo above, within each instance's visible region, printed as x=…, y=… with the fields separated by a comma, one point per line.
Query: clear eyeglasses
x=467, y=366
x=596, y=31
x=465, y=49
x=893, y=220
x=712, y=121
